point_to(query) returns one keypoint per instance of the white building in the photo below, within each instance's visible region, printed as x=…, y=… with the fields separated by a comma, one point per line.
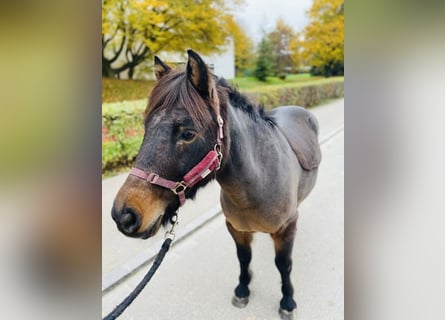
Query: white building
x=223, y=64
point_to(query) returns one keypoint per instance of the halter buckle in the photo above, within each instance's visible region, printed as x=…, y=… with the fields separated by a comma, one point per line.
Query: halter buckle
x=170, y=234
x=218, y=151
x=180, y=187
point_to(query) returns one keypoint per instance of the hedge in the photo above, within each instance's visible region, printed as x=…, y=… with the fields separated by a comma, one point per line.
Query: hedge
x=122, y=133
x=122, y=121
x=305, y=96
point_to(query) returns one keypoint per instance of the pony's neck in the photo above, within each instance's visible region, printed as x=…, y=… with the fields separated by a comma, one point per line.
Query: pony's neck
x=244, y=162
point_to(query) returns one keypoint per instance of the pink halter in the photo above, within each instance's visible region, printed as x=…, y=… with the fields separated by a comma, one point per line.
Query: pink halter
x=211, y=162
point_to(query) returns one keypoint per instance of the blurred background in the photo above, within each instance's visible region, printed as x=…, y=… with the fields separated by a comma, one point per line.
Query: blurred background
x=394, y=155
x=52, y=62
x=50, y=149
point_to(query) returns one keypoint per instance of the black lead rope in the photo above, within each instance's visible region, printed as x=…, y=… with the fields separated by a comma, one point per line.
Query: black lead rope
x=170, y=236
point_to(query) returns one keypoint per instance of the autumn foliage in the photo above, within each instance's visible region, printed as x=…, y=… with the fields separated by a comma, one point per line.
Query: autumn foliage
x=324, y=38
x=135, y=30
x=320, y=46
x=276, y=52
x=244, y=49
x=280, y=40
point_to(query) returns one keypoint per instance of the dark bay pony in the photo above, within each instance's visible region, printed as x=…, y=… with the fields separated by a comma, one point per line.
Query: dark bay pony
x=198, y=128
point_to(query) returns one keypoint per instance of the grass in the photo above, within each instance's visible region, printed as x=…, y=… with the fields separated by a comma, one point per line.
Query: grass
x=252, y=84
x=246, y=83
x=131, y=106
x=115, y=90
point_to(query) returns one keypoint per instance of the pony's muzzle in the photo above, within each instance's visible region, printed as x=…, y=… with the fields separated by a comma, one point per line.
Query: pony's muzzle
x=138, y=208
x=127, y=220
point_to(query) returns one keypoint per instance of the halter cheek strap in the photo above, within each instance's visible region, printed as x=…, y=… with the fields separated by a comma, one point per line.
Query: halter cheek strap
x=211, y=162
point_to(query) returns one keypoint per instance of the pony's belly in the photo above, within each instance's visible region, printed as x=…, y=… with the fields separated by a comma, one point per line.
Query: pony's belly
x=254, y=221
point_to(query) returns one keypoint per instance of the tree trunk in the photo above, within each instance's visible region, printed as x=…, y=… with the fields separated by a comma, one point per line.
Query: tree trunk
x=107, y=70
x=130, y=72
x=110, y=72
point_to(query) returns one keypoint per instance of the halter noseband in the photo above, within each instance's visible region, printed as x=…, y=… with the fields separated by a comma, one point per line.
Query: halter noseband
x=211, y=162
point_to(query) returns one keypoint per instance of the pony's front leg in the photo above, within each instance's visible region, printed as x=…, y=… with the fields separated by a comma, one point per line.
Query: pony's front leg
x=284, y=241
x=244, y=253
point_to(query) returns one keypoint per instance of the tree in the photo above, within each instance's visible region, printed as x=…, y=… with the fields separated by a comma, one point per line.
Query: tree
x=280, y=40
x=244, y=49
x=295, y=48
x=324, y=37
x=264, y=59
x=135, y=30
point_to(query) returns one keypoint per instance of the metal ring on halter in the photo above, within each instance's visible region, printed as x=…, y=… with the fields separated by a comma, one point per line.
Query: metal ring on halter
x=217, y=149
x=180, y=187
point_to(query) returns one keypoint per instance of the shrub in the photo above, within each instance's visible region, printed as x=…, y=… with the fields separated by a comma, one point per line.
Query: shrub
x=122, y=133
x=120, y=154
x=305, y=96
x=332, y=68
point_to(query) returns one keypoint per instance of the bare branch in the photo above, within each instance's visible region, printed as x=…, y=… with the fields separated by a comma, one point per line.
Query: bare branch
x=118, y=52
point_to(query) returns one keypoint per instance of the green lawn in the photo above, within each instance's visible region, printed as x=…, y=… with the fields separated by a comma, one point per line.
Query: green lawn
x=247, y=84
x=114, y=90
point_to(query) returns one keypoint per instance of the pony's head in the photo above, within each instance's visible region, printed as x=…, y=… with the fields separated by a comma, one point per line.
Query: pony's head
x=181, y=125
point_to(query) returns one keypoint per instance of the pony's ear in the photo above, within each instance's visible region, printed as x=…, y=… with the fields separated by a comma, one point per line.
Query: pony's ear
x=161, y=68
x=198, y=73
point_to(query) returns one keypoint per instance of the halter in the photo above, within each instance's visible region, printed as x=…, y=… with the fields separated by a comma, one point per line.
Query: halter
x=211, y=162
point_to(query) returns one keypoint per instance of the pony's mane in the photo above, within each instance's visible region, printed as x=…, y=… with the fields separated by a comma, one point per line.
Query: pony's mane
x=242, y=102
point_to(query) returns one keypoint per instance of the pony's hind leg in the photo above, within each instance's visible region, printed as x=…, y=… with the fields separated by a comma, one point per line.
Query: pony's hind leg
x=283, y=241
x=244, y=253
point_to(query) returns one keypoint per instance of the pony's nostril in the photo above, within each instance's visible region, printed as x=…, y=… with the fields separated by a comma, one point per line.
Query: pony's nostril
x=128, y=218
x=130, y=221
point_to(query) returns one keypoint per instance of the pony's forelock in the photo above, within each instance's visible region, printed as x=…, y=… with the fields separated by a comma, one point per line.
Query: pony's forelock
x=174, y=89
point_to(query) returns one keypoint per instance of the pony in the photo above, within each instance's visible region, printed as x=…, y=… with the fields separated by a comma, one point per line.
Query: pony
x=198, y=128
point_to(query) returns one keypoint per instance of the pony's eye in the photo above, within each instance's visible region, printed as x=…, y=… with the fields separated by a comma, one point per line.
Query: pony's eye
x=188, y=135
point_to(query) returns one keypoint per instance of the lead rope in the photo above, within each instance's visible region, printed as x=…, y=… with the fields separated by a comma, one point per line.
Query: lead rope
x=169, y=237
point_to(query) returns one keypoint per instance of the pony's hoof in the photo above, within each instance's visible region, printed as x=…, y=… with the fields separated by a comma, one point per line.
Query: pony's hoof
x=240, y=302
x=286, y=315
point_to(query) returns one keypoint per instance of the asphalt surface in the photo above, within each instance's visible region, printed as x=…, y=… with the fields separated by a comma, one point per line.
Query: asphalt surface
x=199, y=273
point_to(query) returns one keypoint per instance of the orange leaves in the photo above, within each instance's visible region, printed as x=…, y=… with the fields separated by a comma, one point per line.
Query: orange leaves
x=324, y=35
x=244, y=48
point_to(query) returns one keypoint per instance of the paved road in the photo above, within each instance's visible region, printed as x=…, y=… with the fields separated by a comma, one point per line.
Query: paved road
x=197, y=278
